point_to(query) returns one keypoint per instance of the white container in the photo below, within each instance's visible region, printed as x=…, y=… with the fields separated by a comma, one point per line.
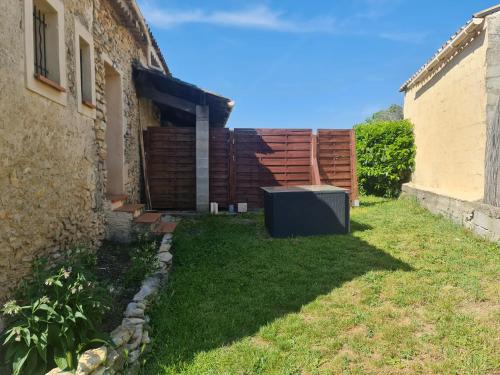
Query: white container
x=214, y=208
x=242, y=208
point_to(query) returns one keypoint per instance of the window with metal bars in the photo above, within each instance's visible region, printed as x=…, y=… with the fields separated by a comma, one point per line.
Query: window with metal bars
x=40, y=42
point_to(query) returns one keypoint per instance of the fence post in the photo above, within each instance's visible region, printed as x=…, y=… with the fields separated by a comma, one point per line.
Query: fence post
x=202, y=158
x=315, y=176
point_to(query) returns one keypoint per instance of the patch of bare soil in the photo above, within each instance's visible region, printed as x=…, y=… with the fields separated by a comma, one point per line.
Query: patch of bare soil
x=480, y=310
x=260, y=342
x=113, y=262
x=357, y=330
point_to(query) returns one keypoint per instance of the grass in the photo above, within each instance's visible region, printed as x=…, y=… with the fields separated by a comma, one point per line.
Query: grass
x=406, y=292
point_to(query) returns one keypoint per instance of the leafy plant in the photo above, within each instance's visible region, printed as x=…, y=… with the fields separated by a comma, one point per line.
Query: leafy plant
x=386, y=156
x=143, y=258
x=78, y=259
x=55, y=328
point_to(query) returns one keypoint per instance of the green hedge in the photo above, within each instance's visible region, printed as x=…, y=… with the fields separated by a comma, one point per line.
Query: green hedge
x=386, y=156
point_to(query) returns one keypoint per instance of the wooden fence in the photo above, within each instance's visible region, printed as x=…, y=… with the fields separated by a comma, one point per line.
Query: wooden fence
x=244, y=160
x=219, y=167
x=336, y=157
x=171, y=167
x=269, y=157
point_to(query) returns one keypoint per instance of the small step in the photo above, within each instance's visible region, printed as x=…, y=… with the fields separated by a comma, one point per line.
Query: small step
x=165, y=228
x=148, y=218
x=134, y=209
x=117, y=200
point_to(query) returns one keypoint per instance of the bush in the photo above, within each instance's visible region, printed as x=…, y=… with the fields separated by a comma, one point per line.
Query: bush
x=57, y=320
x=386, y=156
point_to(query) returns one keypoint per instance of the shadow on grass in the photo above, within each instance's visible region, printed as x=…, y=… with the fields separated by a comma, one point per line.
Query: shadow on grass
x=371, y=203
x=230, y=278
x=359, y=227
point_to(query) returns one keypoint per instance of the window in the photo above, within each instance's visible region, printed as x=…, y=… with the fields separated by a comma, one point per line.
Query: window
x=44, y=43
x=85, y=89
x=85, y=70
x=40, y=41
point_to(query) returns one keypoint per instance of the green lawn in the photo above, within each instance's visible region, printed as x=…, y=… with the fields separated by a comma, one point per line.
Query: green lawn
x=406, y=292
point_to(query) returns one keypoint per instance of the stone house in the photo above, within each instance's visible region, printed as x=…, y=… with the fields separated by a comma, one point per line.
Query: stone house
x=71, y=120
x=454, y=103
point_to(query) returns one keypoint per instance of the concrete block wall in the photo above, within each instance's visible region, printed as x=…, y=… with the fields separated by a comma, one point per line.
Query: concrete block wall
x=492, y=153
x=202, y=159
x=481, y=219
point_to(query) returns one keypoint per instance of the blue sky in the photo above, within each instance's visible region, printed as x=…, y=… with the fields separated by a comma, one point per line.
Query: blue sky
x=303, y=64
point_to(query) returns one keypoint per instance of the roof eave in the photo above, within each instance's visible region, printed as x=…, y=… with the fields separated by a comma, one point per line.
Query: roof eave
x=487, y=12
x=453, y=44
x=129, y=11
x=223, y=106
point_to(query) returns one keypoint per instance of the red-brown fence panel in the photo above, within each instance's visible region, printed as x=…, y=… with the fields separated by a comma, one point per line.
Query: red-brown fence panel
x=269, y=157
x=219, y=155
x=244, y=160
x=171, y=166
x=336, y=156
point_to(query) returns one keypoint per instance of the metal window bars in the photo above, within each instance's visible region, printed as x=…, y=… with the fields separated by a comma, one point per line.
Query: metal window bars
x=40, y=42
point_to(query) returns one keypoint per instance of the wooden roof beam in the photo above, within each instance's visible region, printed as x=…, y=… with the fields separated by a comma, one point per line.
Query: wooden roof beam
x=167, y=99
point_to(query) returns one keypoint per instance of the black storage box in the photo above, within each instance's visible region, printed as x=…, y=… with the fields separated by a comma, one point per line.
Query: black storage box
x=306, y=210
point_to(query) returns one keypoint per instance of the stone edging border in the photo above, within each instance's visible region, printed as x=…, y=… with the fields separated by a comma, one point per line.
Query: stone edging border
x=132, y=336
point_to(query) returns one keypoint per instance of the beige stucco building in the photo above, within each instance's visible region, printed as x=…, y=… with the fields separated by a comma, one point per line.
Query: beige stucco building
x=454, y=103
x=71, y=120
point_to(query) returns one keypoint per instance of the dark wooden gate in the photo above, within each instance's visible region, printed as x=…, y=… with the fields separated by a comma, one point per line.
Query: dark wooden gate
x=171, y=167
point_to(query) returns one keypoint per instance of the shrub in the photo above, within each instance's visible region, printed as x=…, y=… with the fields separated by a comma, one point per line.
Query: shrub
x=386, y=156
x=58, y=321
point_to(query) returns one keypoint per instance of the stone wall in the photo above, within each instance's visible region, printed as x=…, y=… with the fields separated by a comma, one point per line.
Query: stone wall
x=481, y=219
x=149, y=114
x=52, y=170
x=113, y=40
x=448, y=111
